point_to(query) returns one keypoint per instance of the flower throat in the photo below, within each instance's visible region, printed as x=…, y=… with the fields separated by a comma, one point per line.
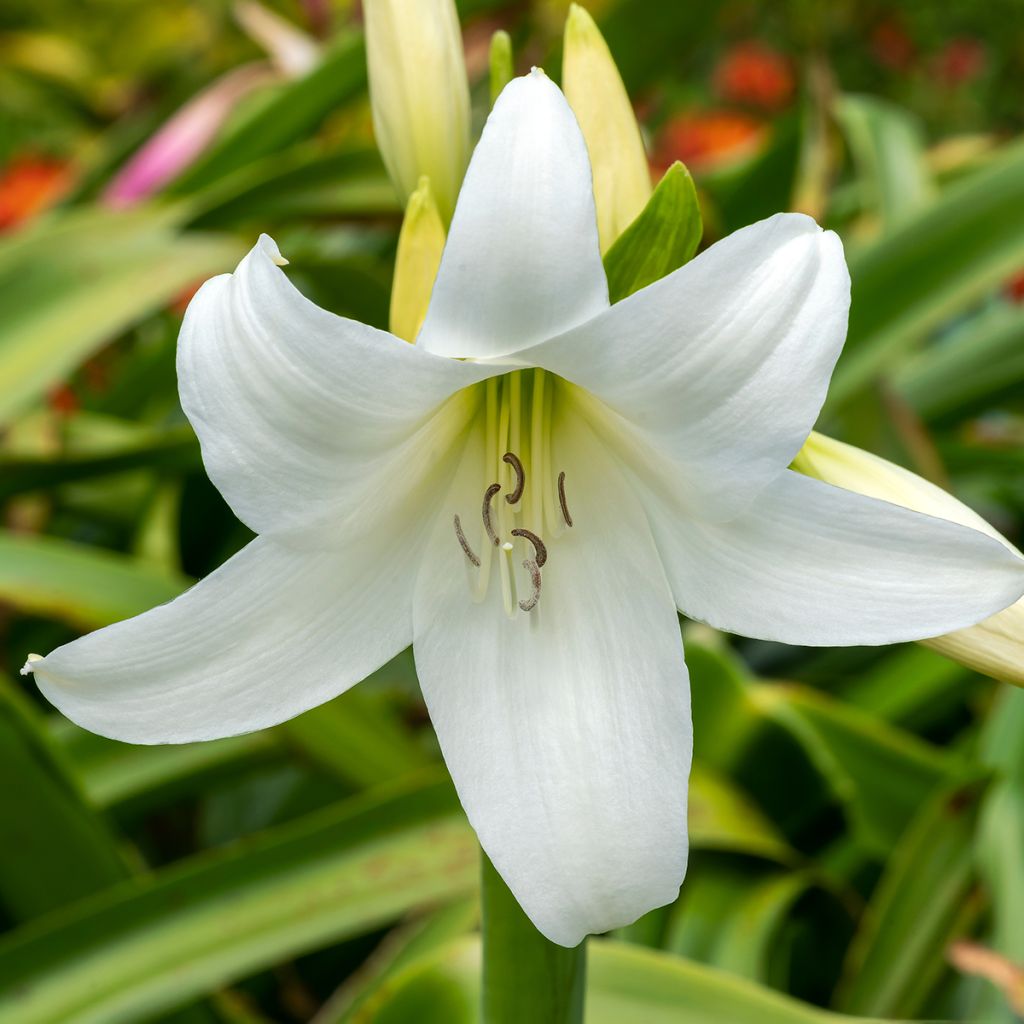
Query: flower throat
x=523, y=499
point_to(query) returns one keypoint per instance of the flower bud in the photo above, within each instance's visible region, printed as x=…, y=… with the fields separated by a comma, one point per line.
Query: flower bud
x=594, y=89
x=420, y=245
x=419, y=95
x=994, y=646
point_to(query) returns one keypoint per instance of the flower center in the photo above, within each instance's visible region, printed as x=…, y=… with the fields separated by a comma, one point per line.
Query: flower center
x=523, y=498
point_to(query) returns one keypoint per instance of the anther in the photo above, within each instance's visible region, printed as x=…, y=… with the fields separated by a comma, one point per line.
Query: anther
x=486, y=512
x=561, y=499
x=540, y=552
x=464, y=544
x=534, y=570
x=513, y=460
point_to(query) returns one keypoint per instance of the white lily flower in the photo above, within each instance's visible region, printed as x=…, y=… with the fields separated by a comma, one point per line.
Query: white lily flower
x=526, y=496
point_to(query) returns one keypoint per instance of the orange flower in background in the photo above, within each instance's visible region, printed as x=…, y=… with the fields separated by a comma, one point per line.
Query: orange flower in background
x=756, y=75
x=700, y=139
x=30, y=184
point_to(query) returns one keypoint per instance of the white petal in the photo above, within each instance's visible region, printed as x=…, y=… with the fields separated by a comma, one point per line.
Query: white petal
x=813, y=564
x=271, y=633
x=566, y=729
x=302, y=413
x=720, y=368
x=522, y=262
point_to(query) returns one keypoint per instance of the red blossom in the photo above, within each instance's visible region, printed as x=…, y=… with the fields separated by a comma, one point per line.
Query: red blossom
x=702, y=138
x=754, y=74
x=960, y=61
x=28, y=185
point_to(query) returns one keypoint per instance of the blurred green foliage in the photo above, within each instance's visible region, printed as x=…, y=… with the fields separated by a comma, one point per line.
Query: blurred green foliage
x=854, y=814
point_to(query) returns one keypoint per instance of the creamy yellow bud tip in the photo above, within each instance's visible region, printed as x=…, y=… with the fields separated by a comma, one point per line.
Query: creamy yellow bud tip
x=29, y=667
x=594, y=89
x=420, y=244
x=419, y=95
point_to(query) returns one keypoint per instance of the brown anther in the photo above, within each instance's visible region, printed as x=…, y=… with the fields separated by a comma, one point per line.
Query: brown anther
x=561, y=500
x=540, y=552
x=486, y=512
x=513, y=460
x=464, y=544
x=534, y=570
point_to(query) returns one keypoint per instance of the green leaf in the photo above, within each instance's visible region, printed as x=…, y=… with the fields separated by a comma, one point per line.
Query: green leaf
x=881, y=774
x=404, y=947
x=982, y=360
x=77, y=280
x=298, y=184
x=56, y=848
x=290, y=113
x=134, y=778
x=625, y=985
x=174, y=451
x=888, y=148
x=152, y=944
x=664, y=236
x=84, y=586
x=931, y=267
x=919, y=907
x=999, y=846
x=722, y=817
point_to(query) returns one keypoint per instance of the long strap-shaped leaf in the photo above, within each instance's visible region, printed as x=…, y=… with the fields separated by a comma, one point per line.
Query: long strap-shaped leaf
x=148, y=945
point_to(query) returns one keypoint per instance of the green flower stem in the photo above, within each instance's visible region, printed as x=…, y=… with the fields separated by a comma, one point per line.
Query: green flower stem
x=526, y=977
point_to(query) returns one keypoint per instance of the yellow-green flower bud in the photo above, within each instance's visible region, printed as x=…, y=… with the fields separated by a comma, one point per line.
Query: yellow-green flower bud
x=419, y=95
x=420, y=245
x=594, y=89
x=994, y=646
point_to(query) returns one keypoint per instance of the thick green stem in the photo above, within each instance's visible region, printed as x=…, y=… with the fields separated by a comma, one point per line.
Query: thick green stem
x=526, y=977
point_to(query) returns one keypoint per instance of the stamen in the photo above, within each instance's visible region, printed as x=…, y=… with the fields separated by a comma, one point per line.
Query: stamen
x=534, y=570
x=513, y=460
x=561, y=499
x=486, y=512
x=464, y=544
x=540, y=551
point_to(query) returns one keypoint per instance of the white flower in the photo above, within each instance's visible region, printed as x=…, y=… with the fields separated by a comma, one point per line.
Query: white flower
x=645, y=472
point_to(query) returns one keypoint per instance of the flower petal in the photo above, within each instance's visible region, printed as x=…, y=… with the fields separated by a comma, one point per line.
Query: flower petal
x=273, y=632
x=814, y=564
x=566, y=729
x=719, y=369
x=995, y=645
x=522, y=262
x=300, y=413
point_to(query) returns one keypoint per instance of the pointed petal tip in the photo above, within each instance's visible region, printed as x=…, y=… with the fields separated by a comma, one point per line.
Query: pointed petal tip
x=30, y=665
x=269, y=248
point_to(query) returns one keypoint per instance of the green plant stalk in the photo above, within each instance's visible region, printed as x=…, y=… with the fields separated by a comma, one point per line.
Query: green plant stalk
x=526, y=977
